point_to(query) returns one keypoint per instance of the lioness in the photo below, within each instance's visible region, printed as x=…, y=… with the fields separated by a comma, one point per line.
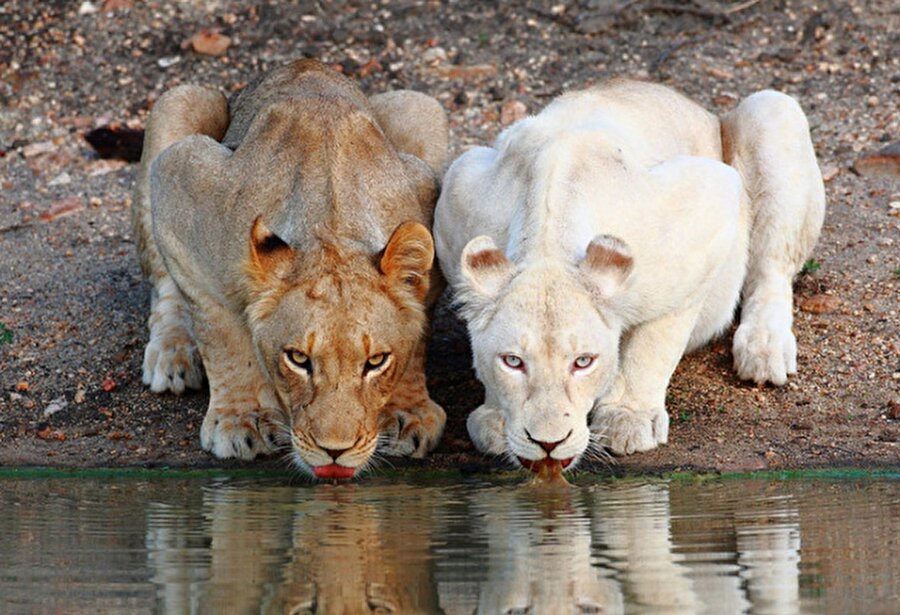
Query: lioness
x=296, y=252
x=600, y=240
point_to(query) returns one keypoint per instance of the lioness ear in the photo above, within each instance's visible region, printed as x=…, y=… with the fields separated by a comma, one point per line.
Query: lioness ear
x=607, y=263
x=270, y=256
x=485, y=269
x=408, y=257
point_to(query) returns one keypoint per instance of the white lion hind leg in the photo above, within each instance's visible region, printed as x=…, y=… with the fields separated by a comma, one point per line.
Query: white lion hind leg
x=766, y=138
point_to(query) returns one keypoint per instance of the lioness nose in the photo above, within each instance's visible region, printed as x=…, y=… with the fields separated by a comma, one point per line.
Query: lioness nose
x=548, y=446
x=335, y=453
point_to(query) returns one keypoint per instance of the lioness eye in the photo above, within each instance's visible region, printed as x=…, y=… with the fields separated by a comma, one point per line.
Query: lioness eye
x=299, y=359
x=375, y=362
x=513, y=361
x=583, y=362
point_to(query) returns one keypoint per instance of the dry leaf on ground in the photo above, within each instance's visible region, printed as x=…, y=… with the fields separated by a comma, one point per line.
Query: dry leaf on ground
x=209, y=42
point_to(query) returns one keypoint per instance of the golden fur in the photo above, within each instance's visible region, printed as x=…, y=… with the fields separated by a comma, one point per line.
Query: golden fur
x=297, y=255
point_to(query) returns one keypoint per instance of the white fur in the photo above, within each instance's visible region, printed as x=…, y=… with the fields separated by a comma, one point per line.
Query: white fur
x=632, y=173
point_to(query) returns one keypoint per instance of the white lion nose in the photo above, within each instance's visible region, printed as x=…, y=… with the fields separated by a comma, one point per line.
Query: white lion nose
x=548, y=446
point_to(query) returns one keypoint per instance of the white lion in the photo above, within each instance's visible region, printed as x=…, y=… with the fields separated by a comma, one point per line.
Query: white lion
x=605, y=237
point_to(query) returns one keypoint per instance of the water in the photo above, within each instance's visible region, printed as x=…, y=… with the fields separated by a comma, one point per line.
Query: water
x=124, y=543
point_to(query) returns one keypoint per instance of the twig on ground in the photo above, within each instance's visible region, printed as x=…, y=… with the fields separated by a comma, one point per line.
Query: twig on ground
x=571, y=23
x=700, y=11
x=737, y=8
x=15, y=227
x=666, y=53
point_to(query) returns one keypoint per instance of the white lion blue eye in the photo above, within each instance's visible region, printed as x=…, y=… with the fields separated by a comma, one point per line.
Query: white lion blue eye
x=583, y=362
x=513, y=361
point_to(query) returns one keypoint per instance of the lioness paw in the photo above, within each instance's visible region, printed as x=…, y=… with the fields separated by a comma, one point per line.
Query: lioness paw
x=240, y=433
x=625, y=431
x=414, y=432
x=764, y=353
x=172, y=363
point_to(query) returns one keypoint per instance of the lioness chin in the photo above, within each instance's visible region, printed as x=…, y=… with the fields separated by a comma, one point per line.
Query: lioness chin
x=600, y=240
x=287, y=241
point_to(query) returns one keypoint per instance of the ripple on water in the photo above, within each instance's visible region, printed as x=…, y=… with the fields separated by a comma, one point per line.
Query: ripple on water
x=262, y=545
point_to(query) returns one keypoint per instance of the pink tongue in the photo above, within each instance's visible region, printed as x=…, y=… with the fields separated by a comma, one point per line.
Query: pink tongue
x=333, y=470
x=544, y=464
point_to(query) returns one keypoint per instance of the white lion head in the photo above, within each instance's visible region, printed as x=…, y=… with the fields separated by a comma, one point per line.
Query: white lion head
x=544, y=341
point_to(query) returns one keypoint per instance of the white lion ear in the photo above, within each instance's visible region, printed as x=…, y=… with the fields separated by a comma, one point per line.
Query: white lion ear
x=607, y=263
x=485, y=270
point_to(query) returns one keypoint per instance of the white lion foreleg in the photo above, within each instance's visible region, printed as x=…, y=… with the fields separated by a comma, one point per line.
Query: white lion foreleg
x=632, y=417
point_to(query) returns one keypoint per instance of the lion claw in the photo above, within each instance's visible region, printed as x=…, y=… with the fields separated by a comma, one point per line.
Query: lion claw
x=412, y=433
x=765, y=353
x=624, y=431
x=172, y=363
x=240, y=433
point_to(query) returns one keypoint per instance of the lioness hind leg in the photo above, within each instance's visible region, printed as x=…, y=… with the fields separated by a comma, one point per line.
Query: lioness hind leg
x=766, y=138
x=416, y=124
x=243, y=419
x=171, y=360
x=412, y=423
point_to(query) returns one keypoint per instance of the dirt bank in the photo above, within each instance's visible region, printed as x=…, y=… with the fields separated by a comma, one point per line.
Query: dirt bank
x=73, y=304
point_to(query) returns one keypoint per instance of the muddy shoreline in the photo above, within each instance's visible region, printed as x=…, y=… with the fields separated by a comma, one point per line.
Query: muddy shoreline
x=73, y=304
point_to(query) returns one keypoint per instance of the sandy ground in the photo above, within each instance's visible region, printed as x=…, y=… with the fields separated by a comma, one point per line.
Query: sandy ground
x=73, y=304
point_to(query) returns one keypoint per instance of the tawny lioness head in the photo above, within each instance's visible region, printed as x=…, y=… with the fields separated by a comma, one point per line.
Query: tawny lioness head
x=333, y=331
x=542, y=344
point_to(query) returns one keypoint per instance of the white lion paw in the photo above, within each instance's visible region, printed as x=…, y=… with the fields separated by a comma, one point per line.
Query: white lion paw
x=624, y=431
x=240, y=433
x=486, y=430
x=172, y=363
x=764, y=353
x=412, y=433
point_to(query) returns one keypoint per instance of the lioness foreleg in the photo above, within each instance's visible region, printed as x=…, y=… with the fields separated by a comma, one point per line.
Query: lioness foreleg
x=766, y=138
x=243, y=419
x=412, y=423
x=632, y=417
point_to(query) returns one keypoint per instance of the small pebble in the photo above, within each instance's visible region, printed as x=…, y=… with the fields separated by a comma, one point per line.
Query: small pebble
x=55, y=406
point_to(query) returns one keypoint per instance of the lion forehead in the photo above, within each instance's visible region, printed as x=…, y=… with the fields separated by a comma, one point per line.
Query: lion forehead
x=354, y=313
x=549, y=316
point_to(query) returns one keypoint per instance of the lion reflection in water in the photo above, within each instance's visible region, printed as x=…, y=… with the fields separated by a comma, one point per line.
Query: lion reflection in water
x=460, y=549
x=341, y=550
x=598, y=549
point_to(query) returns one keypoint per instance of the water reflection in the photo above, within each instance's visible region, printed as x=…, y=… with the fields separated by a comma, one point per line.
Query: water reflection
x=538, y=551
x=286, y=550
x=220, y=546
